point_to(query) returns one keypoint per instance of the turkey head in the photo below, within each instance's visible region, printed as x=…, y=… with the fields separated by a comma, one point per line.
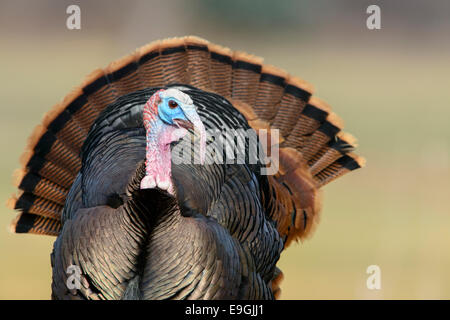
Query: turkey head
x=167, y=117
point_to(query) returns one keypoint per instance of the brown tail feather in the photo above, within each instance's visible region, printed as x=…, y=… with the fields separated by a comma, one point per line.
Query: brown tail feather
x=46, y=169
x=334, y=150
x=245, y=78
x=151, y=70
x=35, y=224
x=98, y=90
x=198, y=63
x=310, y=155
x=311, y=117
x=221, y=70
x=83, y=111
x=270, y=91
x=296, y=95
x=338, y=168
x=325, y=133
x=39, y=186
x=174, y=61
x=29, y=202
x=72, y=135
x=124, y=74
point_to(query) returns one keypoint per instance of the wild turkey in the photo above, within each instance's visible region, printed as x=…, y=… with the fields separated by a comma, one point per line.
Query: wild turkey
x=98, y=174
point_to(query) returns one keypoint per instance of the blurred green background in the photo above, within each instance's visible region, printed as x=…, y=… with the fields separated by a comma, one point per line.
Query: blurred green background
x=391, y=86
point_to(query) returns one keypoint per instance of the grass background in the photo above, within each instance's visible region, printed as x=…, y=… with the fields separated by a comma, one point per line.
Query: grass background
x=391, y=87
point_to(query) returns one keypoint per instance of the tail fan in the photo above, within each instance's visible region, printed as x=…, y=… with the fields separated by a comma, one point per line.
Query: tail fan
x=313, y=149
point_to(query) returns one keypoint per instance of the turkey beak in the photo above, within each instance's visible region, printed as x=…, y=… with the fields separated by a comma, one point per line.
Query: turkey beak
x=184, y=124
x=197, y=124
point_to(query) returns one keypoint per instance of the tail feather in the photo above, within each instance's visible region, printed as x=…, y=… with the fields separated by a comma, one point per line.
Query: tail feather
x=39, y=186
x=296, y=95
x=325, y=133
x=98, y=90
x=32, y=203
x=174, y=61
x=47, y=170
x=245, y=77
x=311, y=117
x=335, y=149
x=198, y=63
x=35, y=224
x=338, y=168
x=270, y=91
x=151, y=69
x=124, y=75
x=83, y=112
x=221, y=70
x=313, y=151
x=55, y=150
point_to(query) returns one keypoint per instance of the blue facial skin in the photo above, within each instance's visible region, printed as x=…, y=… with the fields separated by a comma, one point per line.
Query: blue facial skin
x=167, y=114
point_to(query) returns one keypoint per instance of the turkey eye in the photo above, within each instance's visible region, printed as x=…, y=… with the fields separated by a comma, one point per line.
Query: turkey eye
x=173, y=104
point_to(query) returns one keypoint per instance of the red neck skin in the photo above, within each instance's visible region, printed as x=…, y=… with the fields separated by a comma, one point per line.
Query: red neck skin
x=159, y=136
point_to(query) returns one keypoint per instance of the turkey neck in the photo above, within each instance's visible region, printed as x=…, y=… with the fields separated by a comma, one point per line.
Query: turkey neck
x=158, y=153
x=147, y=208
